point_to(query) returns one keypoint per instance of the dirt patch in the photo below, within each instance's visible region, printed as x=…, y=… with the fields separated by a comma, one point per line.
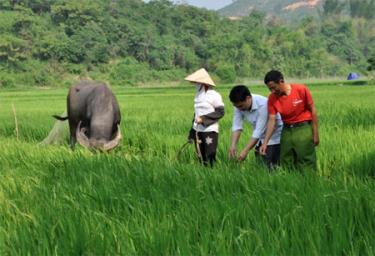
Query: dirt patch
x=307, y=3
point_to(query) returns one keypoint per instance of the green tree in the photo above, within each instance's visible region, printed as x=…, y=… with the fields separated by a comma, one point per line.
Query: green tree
x=38, y=6
x=333, y=7
x=371, y=62
x=12, y=50
x=226, y=73
x=88, y=45
x=74, y=15
x=167, y=39
x=342, y=41
x=362, y=8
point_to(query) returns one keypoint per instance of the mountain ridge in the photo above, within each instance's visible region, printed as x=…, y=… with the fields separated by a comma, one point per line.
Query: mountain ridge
x=285, y=9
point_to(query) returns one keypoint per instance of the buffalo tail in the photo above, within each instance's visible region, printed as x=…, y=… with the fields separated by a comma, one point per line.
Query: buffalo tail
x=60, y=118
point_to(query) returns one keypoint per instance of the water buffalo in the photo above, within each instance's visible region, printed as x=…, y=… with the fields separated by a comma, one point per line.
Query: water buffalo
x=94, y=116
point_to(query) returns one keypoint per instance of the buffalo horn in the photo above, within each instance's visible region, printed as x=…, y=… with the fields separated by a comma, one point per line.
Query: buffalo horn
x=81, y=137
x=113, y=143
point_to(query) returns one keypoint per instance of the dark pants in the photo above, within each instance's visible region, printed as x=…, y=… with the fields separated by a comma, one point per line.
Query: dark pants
x=207, y=147
x=272, y=157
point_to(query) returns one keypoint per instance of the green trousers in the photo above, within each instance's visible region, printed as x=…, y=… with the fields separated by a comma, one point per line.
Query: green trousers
x=297, y=148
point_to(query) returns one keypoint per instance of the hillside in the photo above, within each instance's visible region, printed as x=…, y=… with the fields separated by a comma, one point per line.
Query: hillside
x=128, y=42
x=295, y=10
x=286, y=9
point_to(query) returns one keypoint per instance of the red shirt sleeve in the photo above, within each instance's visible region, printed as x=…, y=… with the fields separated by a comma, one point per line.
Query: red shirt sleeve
x=271, y=105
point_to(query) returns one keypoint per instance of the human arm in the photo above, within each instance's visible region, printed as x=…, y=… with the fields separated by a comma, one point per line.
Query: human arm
x=233, y=146
x=258, y=132
x=191, y=135
x=237, y=126
x=269, y=131
x=214, y=98
x=314, y=116
x=248, y=147
x=212, y=117
x=314, y=120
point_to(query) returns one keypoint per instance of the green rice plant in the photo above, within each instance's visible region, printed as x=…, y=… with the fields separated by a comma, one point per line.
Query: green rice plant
x=141, y=199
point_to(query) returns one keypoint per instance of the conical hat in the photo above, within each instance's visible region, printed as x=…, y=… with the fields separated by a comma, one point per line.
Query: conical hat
x=200, y=76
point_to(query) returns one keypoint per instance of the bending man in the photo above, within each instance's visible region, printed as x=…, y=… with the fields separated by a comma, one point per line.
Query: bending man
x=253, y=109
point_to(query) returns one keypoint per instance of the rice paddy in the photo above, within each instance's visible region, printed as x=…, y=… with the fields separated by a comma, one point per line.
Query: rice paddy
x=144, y=199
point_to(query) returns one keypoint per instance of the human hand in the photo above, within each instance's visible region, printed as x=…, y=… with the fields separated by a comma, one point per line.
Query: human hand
x=263, y=149
x=243, y=155
x=316, y=139
x=199, y=120
x=232, y=152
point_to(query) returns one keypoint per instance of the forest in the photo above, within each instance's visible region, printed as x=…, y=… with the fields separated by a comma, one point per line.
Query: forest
x=129, y=42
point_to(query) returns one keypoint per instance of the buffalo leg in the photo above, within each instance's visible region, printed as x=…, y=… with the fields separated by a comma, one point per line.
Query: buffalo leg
x=73, y=137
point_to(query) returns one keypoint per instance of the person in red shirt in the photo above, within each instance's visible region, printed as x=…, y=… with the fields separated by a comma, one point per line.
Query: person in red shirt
x=300, y=132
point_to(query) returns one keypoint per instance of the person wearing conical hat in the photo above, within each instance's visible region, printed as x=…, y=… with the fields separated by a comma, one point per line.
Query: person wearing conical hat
x=208, y=109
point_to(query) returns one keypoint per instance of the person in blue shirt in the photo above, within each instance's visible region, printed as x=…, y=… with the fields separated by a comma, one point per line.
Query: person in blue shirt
x=252, y=108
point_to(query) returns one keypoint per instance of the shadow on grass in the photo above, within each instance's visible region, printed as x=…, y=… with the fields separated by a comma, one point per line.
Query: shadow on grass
x=356, y=83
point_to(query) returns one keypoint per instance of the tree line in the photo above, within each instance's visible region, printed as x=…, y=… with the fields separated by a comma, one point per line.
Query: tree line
x=126, y=42
x=353, y=8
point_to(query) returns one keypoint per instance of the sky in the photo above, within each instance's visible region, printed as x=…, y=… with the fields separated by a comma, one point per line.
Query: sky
x=209, y=4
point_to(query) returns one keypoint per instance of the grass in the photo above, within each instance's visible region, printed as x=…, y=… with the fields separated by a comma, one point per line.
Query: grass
x=140, y=199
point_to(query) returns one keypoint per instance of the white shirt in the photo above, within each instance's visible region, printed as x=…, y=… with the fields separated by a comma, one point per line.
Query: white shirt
x=205, y=102
x=257, y=117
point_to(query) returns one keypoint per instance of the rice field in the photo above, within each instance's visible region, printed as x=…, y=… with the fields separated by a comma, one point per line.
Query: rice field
x=143, y=199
